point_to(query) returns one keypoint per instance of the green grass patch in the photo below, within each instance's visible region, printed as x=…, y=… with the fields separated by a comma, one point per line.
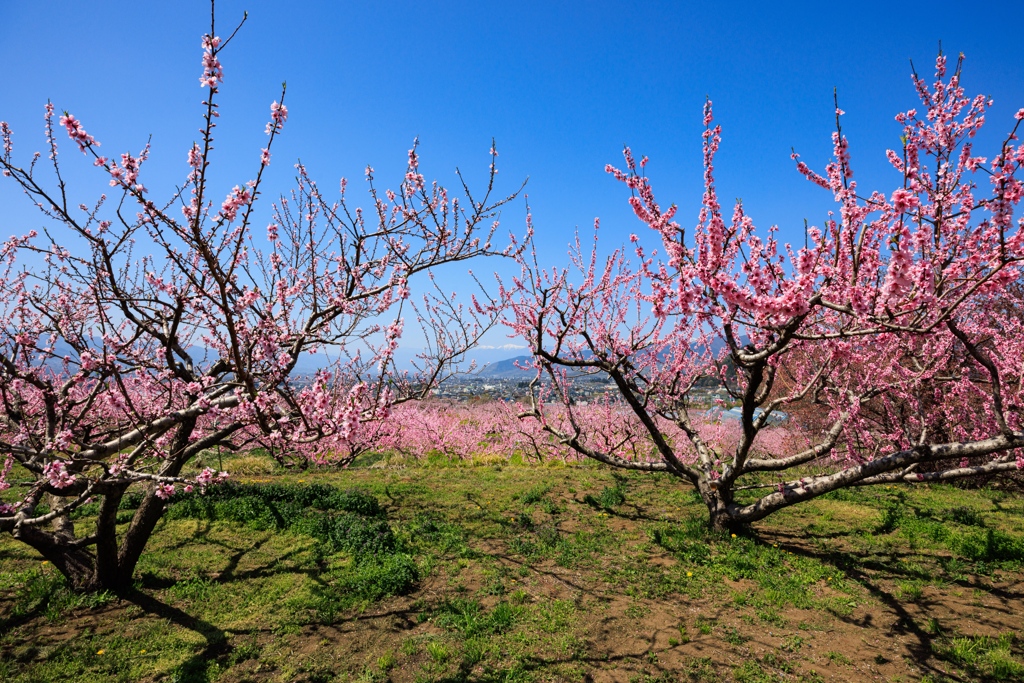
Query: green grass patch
x=517, y=573
x=996, y=659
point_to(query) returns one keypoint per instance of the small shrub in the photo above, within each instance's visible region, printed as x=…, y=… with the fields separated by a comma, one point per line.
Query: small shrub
x=734, y=637
x=610, y=497
x=793, y=643
x=991, y=545
x=704, y=625
x=534, y=495
x=438, y=652
x=468, y=618
x=250, y=649
x=375, y=580
x=357, y=535
x=910, y=590
x=966, y=516
x=893, y=512
x=369, y=580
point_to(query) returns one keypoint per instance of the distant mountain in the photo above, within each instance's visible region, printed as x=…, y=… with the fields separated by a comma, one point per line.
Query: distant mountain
x=506, y=369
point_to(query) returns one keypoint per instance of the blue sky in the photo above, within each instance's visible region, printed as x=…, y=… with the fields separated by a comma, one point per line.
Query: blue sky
x=561, y=86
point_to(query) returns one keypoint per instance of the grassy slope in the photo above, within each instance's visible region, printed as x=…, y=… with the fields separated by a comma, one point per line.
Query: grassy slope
x=546, y=573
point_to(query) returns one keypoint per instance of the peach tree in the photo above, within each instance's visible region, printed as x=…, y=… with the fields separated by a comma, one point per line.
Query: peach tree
x=892, y=335
x=137, y=333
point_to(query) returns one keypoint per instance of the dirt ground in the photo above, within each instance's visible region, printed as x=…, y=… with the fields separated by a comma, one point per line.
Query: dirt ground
x=582, y=621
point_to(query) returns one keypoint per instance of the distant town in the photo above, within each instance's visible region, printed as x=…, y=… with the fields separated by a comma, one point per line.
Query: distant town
x=507, y=380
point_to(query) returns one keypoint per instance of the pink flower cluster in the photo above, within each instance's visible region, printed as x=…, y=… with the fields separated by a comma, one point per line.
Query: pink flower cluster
x=904, y=200
x=493, y=429
x=213, y=72
x=5, y=135
x=57, y=474
x=209, y=477
x=237, y=199
x=278, y=115
x=77, y=133
x=164, y=491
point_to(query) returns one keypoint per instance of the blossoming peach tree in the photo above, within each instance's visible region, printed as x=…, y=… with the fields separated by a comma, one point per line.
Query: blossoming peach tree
x=137, y=333
x=890, y=335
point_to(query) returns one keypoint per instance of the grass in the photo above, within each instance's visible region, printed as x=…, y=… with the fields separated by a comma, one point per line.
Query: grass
x=41, y=590
x=992, y=658
x=501, y=572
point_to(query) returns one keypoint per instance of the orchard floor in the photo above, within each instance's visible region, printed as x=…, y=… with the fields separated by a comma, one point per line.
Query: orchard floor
x=549, y=573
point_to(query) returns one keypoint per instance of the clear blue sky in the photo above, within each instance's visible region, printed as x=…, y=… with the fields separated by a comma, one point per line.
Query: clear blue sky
x=561, y=86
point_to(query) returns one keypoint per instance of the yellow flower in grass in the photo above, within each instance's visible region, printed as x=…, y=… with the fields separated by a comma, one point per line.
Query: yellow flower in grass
x=734, y=535
x=99, y=652
x=689, y=574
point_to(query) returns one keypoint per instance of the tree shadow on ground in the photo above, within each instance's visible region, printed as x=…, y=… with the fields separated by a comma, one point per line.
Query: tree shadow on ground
x=194, y=669
x=871, y=575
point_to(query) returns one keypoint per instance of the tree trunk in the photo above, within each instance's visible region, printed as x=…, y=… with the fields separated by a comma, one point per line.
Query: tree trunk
x=109, y=566
x=137, y=536
x=78, y=565
x=152, y=508
x=720, y=521
x=107, y=571
x=718, y=501
x=104, y=566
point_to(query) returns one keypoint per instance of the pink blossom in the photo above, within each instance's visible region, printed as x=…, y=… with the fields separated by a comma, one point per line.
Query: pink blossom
x=902, y=200
x=278, y=115
x=87, y=362
x=213, y=72
x=5, y=133
x=77, y=133
x=239, y=198
x=164, y=491
x=57, y=475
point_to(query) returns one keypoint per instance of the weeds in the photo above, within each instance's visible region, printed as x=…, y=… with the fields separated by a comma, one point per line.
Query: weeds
x=610, y=498
x=469, y=618
x=997, y=659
